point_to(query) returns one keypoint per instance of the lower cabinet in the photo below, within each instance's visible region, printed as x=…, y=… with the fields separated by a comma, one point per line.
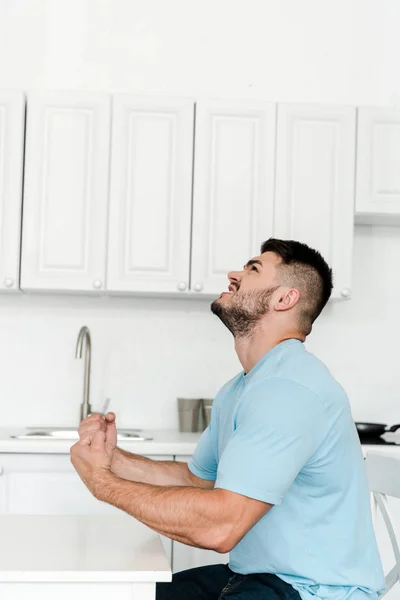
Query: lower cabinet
x=48, y=484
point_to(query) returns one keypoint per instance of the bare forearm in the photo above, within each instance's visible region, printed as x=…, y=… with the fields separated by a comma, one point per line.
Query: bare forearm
x=194, y=516
x=134, y=467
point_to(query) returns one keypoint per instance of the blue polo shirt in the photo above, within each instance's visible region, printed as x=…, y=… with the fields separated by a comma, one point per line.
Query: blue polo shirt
x=284, y=434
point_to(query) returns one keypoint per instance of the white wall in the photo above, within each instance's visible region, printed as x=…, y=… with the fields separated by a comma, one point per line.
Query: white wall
x=358, y=339
x=147, y=352
x=314, y=50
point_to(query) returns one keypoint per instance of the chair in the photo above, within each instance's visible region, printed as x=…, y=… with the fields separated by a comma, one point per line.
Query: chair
x=383, y=473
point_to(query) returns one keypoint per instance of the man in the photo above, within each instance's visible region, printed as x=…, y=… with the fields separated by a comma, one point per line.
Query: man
x=277, y=478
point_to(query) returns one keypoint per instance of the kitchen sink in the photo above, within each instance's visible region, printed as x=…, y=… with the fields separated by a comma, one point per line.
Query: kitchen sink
x=72, y=434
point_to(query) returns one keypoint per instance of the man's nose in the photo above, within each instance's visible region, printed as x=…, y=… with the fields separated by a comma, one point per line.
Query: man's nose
x=234, y=276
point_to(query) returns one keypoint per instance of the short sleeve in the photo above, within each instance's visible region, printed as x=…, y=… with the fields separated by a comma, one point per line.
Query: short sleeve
x=203, y=463
x=279, y=427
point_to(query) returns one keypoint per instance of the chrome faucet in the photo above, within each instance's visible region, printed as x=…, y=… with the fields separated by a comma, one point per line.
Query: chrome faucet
x=85, y=334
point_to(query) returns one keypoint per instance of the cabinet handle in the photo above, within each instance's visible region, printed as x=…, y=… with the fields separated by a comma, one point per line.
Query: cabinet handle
x=182, y=286
x=345, y=293
x=198, y=287
x=1, y=471
x=8, y=282
x=97, y=283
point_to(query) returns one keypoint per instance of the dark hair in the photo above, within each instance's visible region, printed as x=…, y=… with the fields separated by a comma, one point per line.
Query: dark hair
x=305, y=268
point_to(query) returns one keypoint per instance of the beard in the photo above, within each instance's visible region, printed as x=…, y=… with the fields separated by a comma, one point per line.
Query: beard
x=244, y=311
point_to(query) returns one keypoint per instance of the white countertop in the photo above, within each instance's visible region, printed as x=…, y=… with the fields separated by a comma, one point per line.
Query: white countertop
x=165, y=441
x=49, y=548
x=380, y=448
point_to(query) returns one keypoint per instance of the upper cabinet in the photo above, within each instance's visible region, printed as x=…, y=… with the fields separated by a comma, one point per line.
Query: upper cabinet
x=173, y=196
x=66, y=192
x=378, y=162
x=150, y=194
x=314, y=193
x=233, y=188
x=12, y=123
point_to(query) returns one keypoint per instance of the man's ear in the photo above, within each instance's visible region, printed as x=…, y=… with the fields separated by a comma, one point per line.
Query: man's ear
x=288, y=298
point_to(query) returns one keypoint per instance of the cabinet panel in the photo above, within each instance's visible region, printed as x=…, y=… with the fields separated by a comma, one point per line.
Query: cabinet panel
x=45, y=484
x=151, y=189
x=314, y=193
x=12, y=127
x=378, y=161
x=233, y=188
x=66, y=192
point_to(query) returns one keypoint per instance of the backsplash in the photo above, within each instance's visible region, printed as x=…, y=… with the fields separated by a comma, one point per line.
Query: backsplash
x=147, y=352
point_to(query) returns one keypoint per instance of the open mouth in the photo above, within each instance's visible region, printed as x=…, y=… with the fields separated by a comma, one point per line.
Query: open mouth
x=231, y=291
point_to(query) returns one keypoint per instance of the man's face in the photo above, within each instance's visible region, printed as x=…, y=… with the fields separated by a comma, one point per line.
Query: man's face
x=249, y=294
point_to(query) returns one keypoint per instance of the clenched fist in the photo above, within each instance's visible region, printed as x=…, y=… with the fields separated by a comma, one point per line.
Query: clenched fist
x=97, y=422
x=92, y=455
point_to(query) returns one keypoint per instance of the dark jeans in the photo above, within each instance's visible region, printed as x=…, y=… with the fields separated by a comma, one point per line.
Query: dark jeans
x=216, y=582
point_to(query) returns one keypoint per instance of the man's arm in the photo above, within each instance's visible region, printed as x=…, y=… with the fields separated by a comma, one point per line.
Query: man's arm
x=157, y=472
x=216, y=519
x=138, y=468
x=213, y=519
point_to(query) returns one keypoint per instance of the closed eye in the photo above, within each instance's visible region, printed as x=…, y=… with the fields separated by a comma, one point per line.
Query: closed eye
x=251, y=263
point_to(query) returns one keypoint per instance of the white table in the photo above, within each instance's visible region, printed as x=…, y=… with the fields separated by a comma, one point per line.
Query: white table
x=79, y=558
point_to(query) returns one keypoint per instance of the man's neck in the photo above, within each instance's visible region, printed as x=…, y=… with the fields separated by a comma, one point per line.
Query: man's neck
x=251, y=349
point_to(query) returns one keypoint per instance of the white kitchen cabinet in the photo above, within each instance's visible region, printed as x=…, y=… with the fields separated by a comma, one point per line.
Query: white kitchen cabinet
x=150, y=194
x=12, y=128
x=64, y=236
x=187, y=557
x=48, y=484
x=378, y=163
x=44, y=484
x=314, y=188
x=233, y=188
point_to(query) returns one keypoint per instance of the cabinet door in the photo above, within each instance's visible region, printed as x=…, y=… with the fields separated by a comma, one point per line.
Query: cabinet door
x=64, y=232
x=48, y=484
x=187, y=557
x=378, y=161
x=151, y=194
x=12, y=124
x=233, y=188
x=314, y=189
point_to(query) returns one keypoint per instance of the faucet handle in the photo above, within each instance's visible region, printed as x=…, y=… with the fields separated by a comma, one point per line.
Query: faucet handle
x=105, y=406
x=104, y=410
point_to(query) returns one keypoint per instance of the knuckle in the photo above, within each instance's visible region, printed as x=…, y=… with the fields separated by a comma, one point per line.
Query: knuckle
x=91, y=418
x=87, y=430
